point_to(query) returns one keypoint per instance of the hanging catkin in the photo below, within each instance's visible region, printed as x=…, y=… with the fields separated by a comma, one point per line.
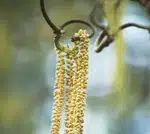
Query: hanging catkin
x=58, y=93
x=71, y=73
x=75, y=105
x=69, y=87
x=81, y=80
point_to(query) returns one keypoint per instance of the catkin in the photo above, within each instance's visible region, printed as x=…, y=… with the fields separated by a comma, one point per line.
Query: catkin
x=58, y=93
x=81, y=81
x=69, y=83
x=71, y=73
x=77, y=99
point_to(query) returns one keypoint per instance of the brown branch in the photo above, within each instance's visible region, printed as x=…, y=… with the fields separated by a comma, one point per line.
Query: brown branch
x=110, y=39
x=134, y=25
x=47, y=19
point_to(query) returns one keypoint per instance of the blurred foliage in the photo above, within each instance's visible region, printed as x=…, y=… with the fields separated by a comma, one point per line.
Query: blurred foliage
x=114, y=11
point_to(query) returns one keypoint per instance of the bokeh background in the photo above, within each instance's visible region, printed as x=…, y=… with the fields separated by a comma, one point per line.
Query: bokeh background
x=27, y=69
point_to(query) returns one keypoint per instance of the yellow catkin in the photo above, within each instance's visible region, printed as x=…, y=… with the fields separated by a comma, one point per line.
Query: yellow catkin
x=81, y=80
x=77, y=101
x=58, y=93
x=69, y=86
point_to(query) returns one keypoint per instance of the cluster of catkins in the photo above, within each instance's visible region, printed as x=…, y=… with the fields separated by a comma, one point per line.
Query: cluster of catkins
x=71, y=83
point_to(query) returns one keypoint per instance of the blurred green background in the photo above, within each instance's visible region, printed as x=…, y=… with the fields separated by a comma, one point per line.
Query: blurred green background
x=27, y=69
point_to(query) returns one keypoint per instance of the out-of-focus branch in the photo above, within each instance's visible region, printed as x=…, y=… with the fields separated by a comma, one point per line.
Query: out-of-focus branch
x=127, y=25
x=110, y=39
x=105, y=39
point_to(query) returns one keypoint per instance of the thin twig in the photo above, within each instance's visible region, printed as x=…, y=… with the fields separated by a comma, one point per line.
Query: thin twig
x=127, y=25
x=106, y=43
x=81, y=22
x=48, y=20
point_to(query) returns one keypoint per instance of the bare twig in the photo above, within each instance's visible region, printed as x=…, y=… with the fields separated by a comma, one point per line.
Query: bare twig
x=127, y=25
x=48, y=20
x=59, y=30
